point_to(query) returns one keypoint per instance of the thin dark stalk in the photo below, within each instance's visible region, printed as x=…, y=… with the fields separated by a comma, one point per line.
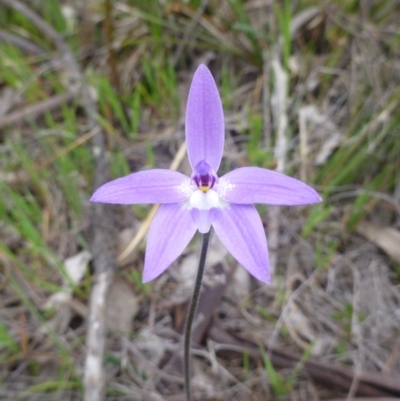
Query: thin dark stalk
x=192, y=311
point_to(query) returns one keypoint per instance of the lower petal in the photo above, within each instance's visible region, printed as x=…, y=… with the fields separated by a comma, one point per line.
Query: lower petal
x=171, y=231
x=203, y=219
x=240, y=229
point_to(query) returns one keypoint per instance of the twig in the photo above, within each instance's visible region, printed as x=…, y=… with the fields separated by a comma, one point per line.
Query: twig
x=189, y=31
x=333, y=375
x=33, y=111
x=103, y=260
x=365, y=399
x=21, y=43
x=80, y=141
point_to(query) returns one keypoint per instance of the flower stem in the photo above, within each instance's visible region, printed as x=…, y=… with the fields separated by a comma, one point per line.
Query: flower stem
x=192, y=311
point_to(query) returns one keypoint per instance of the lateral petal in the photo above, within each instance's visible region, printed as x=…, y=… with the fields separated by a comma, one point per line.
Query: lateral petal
x=171, y=231
x=248, y=185
x=149, y=186
x=204, y=120
x=240, y=229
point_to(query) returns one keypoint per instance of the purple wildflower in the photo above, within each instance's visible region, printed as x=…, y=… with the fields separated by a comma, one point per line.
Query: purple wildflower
x=204, y=200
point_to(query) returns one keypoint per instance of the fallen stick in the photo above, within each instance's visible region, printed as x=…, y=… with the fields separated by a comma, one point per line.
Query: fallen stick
x=21, y=43
x=332, y=375
x=364, y=399
x=33, y=111
x=281, y=122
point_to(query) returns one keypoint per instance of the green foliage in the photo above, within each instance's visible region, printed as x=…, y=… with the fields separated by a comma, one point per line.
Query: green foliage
x=265, y=314
x=50, y=386
x=244, y=25
x=140, y=287
x=53, y=15
x=345, y=318
x=318, y=214
x=7, y=343
x=158, y=84
x=324, y=253
x=281, y=385
x=118, y=164
x=254, y=148
x=109, y=101
x=227, y=86
x=136, y=104
x=246, y=364
x=17, y=73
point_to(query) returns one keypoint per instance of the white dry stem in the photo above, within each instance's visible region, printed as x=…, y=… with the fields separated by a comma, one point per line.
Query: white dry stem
x=303, y=133
x=279, y=112
x=94, y=373
x=266, y=100
x=280, y=122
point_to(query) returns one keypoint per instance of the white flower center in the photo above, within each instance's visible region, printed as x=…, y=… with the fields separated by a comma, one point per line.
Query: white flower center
x=204, y=200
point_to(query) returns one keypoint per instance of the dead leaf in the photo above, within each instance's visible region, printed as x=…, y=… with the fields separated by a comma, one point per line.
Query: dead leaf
x=75, y=267
x=387, y=238
x=124, y=239
x=122, y=306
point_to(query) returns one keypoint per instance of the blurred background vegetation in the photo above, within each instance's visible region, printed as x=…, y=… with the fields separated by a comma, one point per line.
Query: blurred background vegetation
x=335, y=296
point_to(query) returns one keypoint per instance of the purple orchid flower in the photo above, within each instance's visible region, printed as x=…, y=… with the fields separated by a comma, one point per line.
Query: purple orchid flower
x=204, y=200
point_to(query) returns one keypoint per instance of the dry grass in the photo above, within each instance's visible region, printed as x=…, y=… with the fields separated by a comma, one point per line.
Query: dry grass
x=335, y=294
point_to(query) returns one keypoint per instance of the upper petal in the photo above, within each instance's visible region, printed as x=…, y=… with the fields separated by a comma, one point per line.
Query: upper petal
x=171, y=231
x=204, y=120
x=240, y=229
x=257, y=185
x=149, y=186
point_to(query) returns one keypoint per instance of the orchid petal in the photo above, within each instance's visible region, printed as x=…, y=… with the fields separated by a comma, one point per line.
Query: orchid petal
x=171, y=231
x=240, y=229
x=204, y=120
x=203, y=219
x=249, y=185
x=149, y=186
